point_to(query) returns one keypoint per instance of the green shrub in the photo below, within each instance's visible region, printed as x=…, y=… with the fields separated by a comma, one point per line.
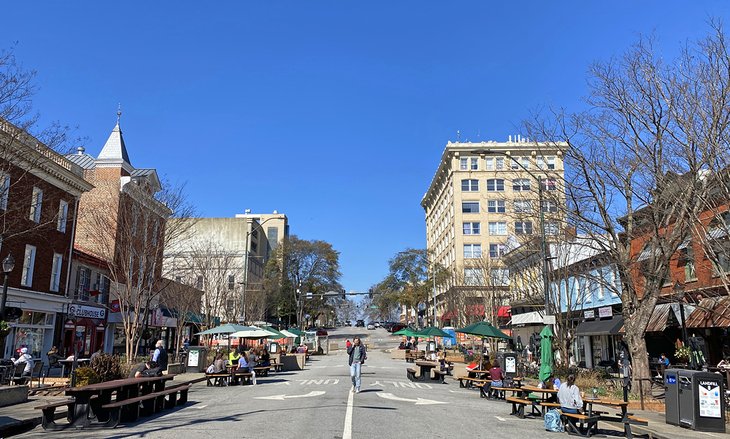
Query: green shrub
x=85, y=375
x=107, y=367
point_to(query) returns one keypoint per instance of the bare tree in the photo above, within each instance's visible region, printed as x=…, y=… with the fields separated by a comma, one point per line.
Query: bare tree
x=184, y=300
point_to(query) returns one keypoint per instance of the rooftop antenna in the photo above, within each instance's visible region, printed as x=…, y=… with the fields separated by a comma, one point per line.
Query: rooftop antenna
x=479, y=133
x=119, y=112
x=458, y=135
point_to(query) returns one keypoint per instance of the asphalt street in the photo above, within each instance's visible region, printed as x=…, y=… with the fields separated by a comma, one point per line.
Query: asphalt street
x=317, y=403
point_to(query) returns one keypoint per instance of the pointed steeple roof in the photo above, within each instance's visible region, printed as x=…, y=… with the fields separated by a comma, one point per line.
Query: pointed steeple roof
x=114, y=150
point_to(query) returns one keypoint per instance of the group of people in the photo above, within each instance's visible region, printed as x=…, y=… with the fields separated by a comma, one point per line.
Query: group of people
x=242, y=360
x=154, y=366
x=410, y=343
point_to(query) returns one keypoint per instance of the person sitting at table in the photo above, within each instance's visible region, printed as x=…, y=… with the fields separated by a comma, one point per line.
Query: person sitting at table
x=26, y=358
x=234, y=356
x=97, y=353
x=441, y=358
x=54, y=357
x=146, y=369
x=402, y=345
x=569, y=396
x=264, y=357
x=246, y=362
x=724, y=364
x=497, y=377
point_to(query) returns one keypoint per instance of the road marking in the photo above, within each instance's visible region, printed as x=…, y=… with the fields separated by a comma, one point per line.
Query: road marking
x=200, y=406
x=347, y=432
x=318, y=382
x=283, y=397
x=500, y=418
x=419, y=401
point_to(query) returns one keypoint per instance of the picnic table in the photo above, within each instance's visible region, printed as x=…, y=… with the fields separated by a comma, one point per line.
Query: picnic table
x=425, y=368
x=521, y=400
x=623, y=417
x=69, y=363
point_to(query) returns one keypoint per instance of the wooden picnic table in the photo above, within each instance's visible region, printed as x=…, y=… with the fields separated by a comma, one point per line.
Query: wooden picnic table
x=425, y=368
x=477, y=373
x=624, y=417
x=89, y=399
x=69, y=363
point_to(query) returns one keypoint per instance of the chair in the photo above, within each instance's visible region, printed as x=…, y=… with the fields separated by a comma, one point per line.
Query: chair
x=18, y=377
x=36, y=372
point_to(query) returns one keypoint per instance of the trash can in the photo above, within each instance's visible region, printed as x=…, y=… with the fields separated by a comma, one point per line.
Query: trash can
x=196, y=358
x=671, y=396
x=509, y=364
x=701, y=401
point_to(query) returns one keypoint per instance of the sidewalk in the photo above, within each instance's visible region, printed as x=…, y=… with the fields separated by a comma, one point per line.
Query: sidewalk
x=659, y=429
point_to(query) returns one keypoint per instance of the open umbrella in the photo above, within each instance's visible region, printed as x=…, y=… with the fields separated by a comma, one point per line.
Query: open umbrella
x=484, y=330
x=432, y=331
x=275, y=334
x=408, y=332
x=298, y=333
x=252, y=333
x=228, y=328
x=288, y=334
x=546, y=353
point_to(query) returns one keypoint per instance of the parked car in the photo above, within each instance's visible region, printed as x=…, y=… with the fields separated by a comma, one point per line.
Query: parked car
x=396, y=327
x=348, y=323
x=371, y=326
x=360, y=324
x=377, y=324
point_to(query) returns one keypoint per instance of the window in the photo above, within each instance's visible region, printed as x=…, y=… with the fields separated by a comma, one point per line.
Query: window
x=687, y=257
x=199, y=282
x=549, y=206
x=495, y=185
x=28, y=265
x=523, y=227
x=552, y=228
x=231, y=281
x=548, y=184
x=470, y=207
x=155, y=231
x=36, y=204
x=499, y=277
x=496, y=250
x=540, y=162
x=546, y=162
x=471, y=228
x=56, y=272
x=103, y=285
x=490, y=164
x=496, y=206
x=498, y=228
x=525, y=162
x=499, y=163
x=515, y=163
x=473, y=276
x=523, y=206
x=520, y=184
x=470, y=185
x=472, y=251
x=5, y=191
x=62, y=216
x=469, y=164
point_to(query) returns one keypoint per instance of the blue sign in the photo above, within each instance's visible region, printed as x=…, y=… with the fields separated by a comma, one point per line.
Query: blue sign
x=671, y=379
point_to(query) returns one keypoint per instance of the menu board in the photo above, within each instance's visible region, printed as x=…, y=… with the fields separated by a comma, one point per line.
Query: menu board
x=710, y=400
x=193, y=358
x=509, y=365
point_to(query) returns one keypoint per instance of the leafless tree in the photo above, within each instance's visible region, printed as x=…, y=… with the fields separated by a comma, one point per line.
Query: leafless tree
x=184, y=300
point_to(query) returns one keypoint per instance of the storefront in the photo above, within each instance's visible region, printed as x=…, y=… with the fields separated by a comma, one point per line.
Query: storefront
x=597, y=338
x=83, y=329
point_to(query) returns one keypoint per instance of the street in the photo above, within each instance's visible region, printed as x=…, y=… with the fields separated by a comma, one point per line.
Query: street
x=317, y=403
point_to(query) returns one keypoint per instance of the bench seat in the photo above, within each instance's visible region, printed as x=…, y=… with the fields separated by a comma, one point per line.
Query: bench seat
x=48, y=421
x=569, y=420
x=518, y=406
x=219, y=379
x=469, y=381
x=411, y=373
x=439, y=375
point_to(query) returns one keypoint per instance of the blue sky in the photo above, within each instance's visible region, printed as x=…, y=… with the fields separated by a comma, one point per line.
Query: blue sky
x=335, y=113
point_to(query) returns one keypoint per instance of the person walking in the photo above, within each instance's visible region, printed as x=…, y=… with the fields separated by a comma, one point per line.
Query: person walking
x=160, y=355
x=358, y=355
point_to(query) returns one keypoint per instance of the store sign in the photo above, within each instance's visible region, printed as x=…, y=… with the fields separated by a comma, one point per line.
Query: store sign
x=590, y=314
x=605, y=312
x=89, y=312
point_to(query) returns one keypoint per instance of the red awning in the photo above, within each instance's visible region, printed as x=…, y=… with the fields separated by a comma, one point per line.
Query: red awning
x=504, y=311
x=448, y=315
x=475, y=310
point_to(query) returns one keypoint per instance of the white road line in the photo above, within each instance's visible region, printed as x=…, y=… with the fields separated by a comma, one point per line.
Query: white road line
x=500, y=418
x=200, y=406
x=347, y=432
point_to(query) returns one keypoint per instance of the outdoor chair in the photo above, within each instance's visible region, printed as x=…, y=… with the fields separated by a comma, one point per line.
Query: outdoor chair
x=17, y=377
x=36, y=372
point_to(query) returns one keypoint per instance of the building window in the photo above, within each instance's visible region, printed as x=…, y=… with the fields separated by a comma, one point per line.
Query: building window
x=490, y=163
x=470, y=207
x=469, y=164
x=548, y=184
x=62, y=216
x=495, y=185
x=552, y=228
x=56, y=272
x=470, y=185
x=496, y=206
x=498, y=228
x=523, y=227
x=199, y=282
x=687, y=257
x=521, y=184
x=499, y=277
x=499, y=163
x=523, y=206
x=471, y=228
x=496, y=250
x=472, y=251
x=5, y=188
x=473, y=277
x=525, y=162
x=549, y=206
x=28, y=265
x=83, y=283
x=155, y=231
x=36, y=204
x=231, y=282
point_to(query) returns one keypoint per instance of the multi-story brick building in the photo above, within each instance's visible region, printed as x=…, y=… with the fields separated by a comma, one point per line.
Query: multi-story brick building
x=39, y=193
x=483, y=193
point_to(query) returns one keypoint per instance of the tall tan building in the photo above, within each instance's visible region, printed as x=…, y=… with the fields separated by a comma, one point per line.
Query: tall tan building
x=484, y=197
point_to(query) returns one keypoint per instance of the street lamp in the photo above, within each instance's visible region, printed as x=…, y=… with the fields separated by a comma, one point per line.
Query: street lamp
x=679, y=292
x=8, y=265
x=543, y=242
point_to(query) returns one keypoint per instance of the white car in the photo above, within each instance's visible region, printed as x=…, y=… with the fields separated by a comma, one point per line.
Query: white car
x=377, y=324
x=371, y=326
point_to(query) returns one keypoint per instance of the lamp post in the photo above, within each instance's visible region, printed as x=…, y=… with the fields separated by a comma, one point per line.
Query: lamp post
x=679, y=292
x=543, y=242
x=8, y=265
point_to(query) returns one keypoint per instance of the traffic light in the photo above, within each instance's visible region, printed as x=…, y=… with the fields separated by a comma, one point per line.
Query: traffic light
x=344, y=294
x=370, y=293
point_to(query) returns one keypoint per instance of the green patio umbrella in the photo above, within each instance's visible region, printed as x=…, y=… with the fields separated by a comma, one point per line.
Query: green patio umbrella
x=484, y=330
x=298, y=333
x=408, y=332
x=546, y=353
x=275, y=334
x=228, y=328
x=432, y=331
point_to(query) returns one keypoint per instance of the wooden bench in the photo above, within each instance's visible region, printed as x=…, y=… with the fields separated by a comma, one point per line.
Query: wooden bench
x=262, y=370
x=411, y=373
x=151, y=403
x=518, y=406
x=548, y=405
x=497, y=392
x=637, y=420
x=245, y=377
x=197, y=380
x=49, y=413
x=439, y=375
x=219, y=379
x=569, y=420
x=469, y=381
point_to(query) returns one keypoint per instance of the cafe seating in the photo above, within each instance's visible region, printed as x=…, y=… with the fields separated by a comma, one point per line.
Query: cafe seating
x=569, y=421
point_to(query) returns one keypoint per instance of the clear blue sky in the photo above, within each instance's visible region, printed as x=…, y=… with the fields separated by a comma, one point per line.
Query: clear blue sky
x=333, y=112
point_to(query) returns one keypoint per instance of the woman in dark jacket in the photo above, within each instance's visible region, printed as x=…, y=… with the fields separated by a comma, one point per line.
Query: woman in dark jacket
x=358, y=355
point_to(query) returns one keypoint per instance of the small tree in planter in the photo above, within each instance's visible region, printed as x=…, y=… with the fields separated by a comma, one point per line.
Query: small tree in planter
x=107, y=367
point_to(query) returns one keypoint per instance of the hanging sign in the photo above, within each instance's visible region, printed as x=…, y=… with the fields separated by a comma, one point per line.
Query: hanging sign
x=590, y=314
x=605, y=312
x=89, y=312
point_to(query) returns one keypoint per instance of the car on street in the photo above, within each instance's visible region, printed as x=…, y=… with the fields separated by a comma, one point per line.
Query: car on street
x=371, y=326
x=396, y=327
x=348, y=323
x=377, y=324
x=360, y=324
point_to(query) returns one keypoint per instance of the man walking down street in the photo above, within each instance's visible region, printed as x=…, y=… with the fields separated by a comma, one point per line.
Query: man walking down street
x=160, y=355
x=358, y=355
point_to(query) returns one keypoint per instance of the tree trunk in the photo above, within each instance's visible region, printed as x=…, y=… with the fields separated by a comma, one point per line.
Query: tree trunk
x=634, y=328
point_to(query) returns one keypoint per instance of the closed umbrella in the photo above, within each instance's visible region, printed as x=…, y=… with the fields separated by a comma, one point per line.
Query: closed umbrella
x=546, y=353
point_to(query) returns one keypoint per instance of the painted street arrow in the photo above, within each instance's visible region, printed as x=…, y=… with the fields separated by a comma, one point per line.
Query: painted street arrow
x=283, y=397
x=419, y=401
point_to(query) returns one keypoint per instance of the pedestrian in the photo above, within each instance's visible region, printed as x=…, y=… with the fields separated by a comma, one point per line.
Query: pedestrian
x=358, y=355
x=348, y=344
x=160, y=355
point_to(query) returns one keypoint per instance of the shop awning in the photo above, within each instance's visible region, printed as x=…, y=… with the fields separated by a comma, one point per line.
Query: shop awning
x=712, y=312
x=666, y=314
x=504, y=311
x=528, y=318
x=476, y=310
x=601, y=327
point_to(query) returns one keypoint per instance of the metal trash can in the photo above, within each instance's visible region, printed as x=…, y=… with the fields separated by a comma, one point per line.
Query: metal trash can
x=701, y=401
x=197, y=358
x=671, y=397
